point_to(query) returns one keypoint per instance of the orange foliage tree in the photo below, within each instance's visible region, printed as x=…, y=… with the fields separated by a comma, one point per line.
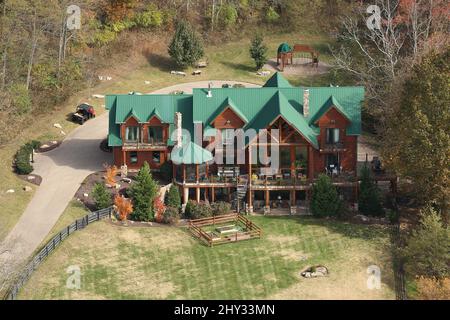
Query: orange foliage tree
x=123, y=206
x=110, y=175
x=433, y=289
x=158, y=209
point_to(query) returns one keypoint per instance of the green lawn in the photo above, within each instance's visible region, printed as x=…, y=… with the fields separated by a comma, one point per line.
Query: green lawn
x=229, y=61
x=167, y=263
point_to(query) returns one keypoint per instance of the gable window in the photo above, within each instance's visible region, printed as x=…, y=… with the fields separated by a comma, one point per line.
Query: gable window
x=332, y=135
x=133, y=157
x=132, y=134
x=155, y=135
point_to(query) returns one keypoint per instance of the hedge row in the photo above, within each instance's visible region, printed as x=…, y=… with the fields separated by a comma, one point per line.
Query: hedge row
x=199, y=210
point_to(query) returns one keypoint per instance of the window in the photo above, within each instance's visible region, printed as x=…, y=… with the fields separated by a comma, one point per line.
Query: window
x=132, y=134
x=332, y=135
x=155, y=135
x=133, y=157
x=227, y=136
x=156, y=157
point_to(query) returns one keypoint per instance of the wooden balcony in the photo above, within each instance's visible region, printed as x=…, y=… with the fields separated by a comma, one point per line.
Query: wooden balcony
x=332, y=147
x=145, y=146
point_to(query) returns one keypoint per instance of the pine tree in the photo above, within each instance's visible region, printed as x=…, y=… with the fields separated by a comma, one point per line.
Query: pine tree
x=325, y=200
x=143, y=193
x=427, y=251
x=173, y=198
x=417, y=140
x=258, y=51
x=369, y=196
x=101, y=196
x=185, y=48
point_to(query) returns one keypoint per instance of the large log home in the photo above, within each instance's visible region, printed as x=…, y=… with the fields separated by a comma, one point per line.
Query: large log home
x=318, y=128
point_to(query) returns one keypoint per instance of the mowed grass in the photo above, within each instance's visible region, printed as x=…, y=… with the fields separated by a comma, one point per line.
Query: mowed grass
x=230, y=61
x=119, y=262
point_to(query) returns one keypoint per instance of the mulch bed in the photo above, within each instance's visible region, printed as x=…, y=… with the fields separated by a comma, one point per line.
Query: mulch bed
x=47, y=146
x=142, y=224
x=88, y=184
x=36, y=180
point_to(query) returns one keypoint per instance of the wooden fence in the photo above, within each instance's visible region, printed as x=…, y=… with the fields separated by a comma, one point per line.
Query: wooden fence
x=51, y=245
x=251, y=230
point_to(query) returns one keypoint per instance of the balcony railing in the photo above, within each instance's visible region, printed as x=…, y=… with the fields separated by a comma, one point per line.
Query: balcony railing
x=143, y=145
x=332, y=147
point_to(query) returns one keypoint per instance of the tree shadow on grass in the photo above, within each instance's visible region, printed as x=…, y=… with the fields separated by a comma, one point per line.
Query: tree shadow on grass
x=162, y=62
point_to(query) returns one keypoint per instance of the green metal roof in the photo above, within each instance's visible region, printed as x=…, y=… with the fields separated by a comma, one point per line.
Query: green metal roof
x=277, y=80
x=280, y=106
x=190, y=153
x=228, y=103
x=256, y=106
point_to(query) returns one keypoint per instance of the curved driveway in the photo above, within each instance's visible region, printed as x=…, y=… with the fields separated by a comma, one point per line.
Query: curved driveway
x=63, y=169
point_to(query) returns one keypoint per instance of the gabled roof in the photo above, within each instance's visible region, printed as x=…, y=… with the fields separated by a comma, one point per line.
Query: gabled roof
x=331, y=102
x=280, y=106
x=228, y=103
x=155, y=113
x=277, y=81
x=190, y=153
x=132, y=114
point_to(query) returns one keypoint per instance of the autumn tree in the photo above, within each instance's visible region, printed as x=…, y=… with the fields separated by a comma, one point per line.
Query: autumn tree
x=110, y=174
x=143, y=192
x=159, y=208
x=417, y=139
x=123, y=207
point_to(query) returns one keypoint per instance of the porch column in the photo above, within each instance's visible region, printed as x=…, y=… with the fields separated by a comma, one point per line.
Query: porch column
x=293, y=207
x=185, y=198
x=213, y=195
x=267, y=204
x=197, y=194
x=229, y=194
x=250, y=201
x=292, y=154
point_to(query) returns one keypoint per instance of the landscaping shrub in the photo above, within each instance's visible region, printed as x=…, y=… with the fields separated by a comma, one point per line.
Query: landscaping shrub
x=171, y=215
x=199, y=210
x=123, y=207
x=392, y=216
x=158, y=208
x=22, y=157
x=427, y=250
x=220, y=208
x=143, y=193
x=369, y=201
x=173, y=198
x=101, y=196
x=325, y=200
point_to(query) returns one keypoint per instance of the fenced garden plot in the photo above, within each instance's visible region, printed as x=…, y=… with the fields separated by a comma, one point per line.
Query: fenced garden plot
x=224, y=229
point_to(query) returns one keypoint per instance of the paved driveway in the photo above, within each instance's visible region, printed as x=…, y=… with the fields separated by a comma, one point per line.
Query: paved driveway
x=63, y=169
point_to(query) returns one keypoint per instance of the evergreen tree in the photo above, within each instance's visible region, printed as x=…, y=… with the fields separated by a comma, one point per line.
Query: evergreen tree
x=173, y=198
x=185, y=48
x=417, y=139
x=325, y=200
x=101, y=196
x=369, y=196
x=427, y=251
x=143, y=193
x=258, y=51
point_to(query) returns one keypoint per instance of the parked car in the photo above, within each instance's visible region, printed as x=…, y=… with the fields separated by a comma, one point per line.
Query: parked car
x=83, y=113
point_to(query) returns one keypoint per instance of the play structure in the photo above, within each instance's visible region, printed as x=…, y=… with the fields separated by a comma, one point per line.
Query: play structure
x=285, y=55
x=224, y=229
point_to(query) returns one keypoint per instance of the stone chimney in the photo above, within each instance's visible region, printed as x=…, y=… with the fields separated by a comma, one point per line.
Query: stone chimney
x=306, y=102
x=178, y=128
